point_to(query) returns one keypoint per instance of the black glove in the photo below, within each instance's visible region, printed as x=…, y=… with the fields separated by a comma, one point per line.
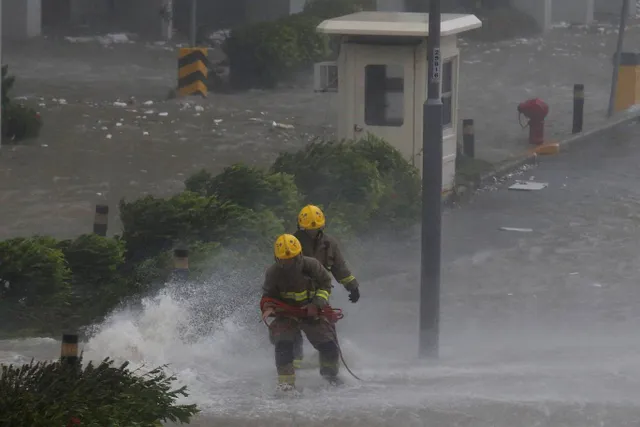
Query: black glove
x=354, y=295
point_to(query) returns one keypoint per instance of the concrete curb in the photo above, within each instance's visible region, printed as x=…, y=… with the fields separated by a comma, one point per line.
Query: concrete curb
x=512, y=165
x=531, y=158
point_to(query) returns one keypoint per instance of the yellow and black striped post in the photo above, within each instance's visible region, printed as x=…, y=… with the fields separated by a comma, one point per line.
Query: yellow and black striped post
x=69, y=349
x=101, y=220
x=193, y=71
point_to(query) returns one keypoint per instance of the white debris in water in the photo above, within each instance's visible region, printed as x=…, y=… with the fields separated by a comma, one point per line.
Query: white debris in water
x=199, y=108
x=119, y=104
x=145, y=133
x=106, y=39
x=217, y=121
x=147, y=103
x=163, y=114
x=528, y=185
x=109, y=136
x=118, y=124
x=281, y=125
x=104, y=128
x=149, y=112
x=520, y=230
x=44, y=145
x=218, y=37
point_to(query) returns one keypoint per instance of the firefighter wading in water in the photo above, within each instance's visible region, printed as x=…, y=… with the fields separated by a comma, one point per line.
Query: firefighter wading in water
x=299, y=281
x=324, y=248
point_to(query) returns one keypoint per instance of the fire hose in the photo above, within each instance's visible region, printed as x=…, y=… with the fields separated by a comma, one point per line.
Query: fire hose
x=327, y=314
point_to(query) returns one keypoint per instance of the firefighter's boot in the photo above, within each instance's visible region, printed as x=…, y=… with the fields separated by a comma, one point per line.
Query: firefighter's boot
x=329, y=362
x=284, y=364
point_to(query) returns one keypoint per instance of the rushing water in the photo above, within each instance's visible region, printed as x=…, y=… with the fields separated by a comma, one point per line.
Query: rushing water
x=214, y=343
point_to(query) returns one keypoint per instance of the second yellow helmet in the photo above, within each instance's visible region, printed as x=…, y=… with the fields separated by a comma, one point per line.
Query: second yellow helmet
x=287, y=246
x=311, y=218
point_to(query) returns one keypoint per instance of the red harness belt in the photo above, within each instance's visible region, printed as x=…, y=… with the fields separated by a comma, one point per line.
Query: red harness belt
x=331, y=314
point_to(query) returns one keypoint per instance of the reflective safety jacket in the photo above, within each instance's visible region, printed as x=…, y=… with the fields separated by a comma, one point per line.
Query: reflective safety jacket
x=325, y=249
x=305, y=283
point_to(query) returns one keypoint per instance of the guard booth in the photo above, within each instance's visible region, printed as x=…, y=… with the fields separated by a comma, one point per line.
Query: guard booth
x=382, y=79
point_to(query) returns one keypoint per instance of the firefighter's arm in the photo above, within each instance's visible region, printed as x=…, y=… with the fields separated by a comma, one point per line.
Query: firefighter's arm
x=341, y=271
x=269, y=290
x=322, y=280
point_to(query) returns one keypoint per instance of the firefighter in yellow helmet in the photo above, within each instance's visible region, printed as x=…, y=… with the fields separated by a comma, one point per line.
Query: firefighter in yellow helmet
x=299, y=281
x=317, y=244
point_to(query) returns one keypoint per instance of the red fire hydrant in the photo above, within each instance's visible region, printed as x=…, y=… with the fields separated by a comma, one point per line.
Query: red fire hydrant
x=535, y=110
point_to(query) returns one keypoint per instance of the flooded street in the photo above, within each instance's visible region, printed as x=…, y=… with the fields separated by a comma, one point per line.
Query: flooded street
x=538, y=329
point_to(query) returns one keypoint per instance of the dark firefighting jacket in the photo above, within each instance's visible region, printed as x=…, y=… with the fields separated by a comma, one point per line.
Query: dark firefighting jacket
x=325, y=249
x=307, y=282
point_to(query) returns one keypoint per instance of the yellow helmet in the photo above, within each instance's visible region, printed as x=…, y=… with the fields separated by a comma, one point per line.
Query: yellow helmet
x=311, y=218
x=287, y=246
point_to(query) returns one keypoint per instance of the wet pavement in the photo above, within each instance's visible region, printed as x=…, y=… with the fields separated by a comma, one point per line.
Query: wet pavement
x=95, y=150
x=538, y=328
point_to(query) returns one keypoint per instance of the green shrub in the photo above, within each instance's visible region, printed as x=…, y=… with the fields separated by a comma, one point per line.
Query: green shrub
x=401, y=199
x=369, y=181
x=51, y=394
x=250, y=188
x=333, y=175
x=154, y=225
x=20, y=122
x=312, y=46
x=94, y=259
x=33, y=270
x=260, y=55
x=34, y=285
x=327, y=9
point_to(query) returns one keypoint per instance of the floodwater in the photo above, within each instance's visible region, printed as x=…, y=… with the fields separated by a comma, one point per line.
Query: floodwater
x=538, y=329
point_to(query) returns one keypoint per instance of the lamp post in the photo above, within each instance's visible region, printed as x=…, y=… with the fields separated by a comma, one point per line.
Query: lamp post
x=431, y=194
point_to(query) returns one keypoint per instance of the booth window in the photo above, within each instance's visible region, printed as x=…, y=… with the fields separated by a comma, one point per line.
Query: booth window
x=384, y=95
x=447, y=93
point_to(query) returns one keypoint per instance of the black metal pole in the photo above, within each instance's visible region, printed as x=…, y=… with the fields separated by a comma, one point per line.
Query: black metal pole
x=193, y=28
x=578, y=108
x=431, y=194
x=468, y=138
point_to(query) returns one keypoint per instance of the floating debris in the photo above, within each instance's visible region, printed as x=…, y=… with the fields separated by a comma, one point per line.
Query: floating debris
x=528, y=185
x=281, y=125
x=520, y=230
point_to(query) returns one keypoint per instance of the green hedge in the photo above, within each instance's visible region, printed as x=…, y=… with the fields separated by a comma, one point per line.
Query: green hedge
x=53, y=394
x=369, y=181
x=18, y=121
x=262, y=55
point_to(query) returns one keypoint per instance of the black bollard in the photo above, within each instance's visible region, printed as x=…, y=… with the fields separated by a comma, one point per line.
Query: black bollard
x=578, y=108
x=101, y=220
x=69, y=349
x=181, y=264
x=468, y=138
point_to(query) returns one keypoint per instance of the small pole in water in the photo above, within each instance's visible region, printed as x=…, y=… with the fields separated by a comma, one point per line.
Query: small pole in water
x=181, y=264
x=69, y=349
x=101, y=220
